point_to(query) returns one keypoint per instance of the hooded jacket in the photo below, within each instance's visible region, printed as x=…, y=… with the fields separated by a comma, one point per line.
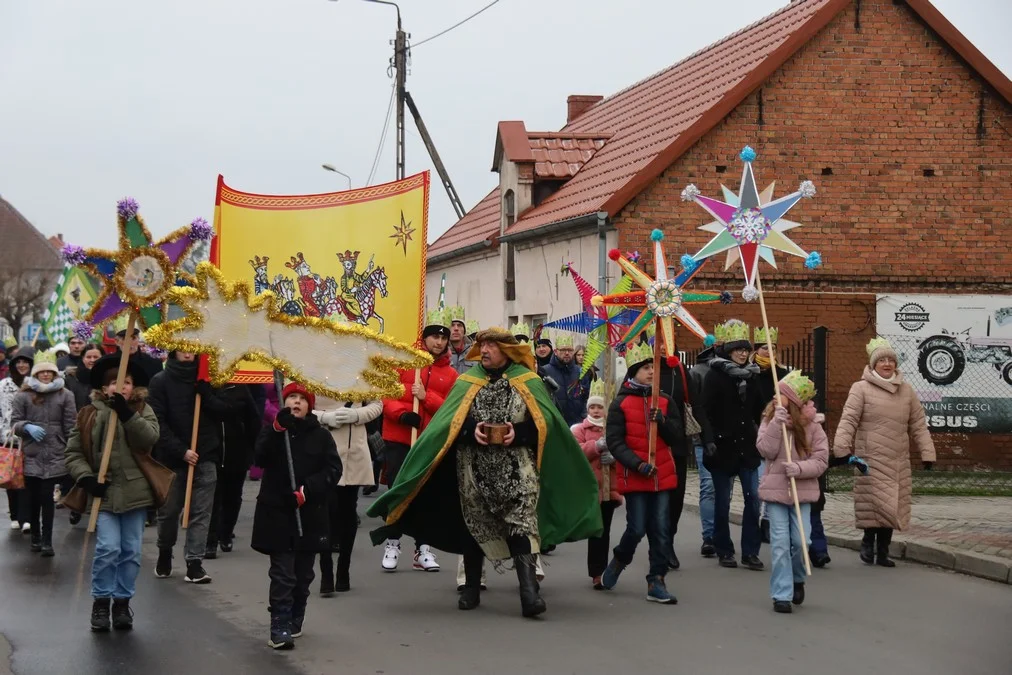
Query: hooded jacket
x=571, y=396
x=627, y=431
x=437, y=380
x=732, y=411
x=50, y=406
x=587, y=435
x=458, y=360
x=172, y=395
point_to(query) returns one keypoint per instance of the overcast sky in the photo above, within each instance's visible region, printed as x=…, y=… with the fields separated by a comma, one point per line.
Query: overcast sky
x=104, y=99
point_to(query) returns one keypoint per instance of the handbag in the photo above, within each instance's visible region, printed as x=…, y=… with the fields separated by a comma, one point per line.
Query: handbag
x=12, y=463
x=692, y=427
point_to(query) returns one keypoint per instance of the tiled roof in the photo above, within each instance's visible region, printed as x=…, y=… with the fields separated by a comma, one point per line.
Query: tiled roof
x=477, y=225
x=24, y=247
x=562, y=155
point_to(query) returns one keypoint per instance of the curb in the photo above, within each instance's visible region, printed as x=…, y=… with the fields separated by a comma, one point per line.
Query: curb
x=972, y=564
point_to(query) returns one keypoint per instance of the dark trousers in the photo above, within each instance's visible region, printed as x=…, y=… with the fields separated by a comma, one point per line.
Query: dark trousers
x=341, y=503
x=819, y=543
x=18, y=505
x=291, y=574
x=677, y=497
x=751, y=539
x=879, y=537
x=226, y=507
x=646, y=514
x=598, y=548
x=40, y=495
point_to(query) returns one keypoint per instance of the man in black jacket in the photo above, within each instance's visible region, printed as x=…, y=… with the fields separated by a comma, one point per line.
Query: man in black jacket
x=149, y=364
x=172, y=395
x=571, y=396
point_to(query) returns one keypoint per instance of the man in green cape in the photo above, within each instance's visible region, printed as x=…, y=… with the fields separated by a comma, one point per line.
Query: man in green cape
x=463, y=492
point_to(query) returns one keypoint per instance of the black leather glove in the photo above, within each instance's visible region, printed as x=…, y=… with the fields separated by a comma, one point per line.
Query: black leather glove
x=285, y=419
x=122, y=408
x=657, y=416
x=929, y=466
x=412, y=419
x=205, y=389
x=647, y=469
x=91, y=485
x=710, y=450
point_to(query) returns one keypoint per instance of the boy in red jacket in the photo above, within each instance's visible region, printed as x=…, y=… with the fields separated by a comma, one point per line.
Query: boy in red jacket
x=399, y=418
x=646, y=486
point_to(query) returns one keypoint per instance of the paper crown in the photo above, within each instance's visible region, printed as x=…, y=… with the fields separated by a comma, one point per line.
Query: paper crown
x=437, y=317
x=472, y=326
x=760, y=335
x=561, y=340
x=455, y=313
x=48, y=356
x=521, y=328
x=597, y=388
x=877, y=343
x=638, y=353
x=732, y=330
x=10, y=342
x=800, y=384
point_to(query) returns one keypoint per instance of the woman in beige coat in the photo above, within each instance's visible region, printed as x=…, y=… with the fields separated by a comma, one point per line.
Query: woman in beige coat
x=347, y=423
x=880, y=421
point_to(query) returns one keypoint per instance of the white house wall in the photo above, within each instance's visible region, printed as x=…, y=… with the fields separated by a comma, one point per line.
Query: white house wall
x=473, y=282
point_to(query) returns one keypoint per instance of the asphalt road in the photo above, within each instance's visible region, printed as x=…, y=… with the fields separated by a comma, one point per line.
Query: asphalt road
x=910, y=619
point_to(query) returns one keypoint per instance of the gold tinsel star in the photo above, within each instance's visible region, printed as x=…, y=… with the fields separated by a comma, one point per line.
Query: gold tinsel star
x=402, y=234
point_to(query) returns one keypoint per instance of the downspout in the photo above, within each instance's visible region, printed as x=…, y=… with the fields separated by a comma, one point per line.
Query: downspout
x=606, y=361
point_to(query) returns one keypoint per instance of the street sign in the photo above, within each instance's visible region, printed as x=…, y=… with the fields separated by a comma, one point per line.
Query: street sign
x=28, y=332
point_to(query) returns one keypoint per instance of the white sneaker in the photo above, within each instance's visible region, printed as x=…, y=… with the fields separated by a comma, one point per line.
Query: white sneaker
x=57, y=493
x=15, y=525
x=392, y=555
x=425, y=560
x=26, y=528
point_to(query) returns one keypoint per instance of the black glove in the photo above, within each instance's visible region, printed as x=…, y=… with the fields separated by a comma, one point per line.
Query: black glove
x=710, y=450
x=205, y=389
x=412, y=419
x=122, y=408
x=285, y=419
x=929, y=466
x=647, y=469
x=656, y=416
x=91, y=485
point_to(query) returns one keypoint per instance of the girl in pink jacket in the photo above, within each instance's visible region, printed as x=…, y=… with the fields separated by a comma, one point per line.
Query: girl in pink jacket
x=590, y=435
x=810, y=455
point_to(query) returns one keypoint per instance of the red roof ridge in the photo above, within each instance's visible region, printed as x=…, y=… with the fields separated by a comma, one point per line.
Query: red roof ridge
x=580, y=136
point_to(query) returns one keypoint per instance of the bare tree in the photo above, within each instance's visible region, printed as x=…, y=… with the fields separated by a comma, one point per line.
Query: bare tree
x=24, y=293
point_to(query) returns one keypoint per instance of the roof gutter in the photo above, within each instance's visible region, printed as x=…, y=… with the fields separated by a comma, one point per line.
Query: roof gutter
x=450, y=255
x=559, y=226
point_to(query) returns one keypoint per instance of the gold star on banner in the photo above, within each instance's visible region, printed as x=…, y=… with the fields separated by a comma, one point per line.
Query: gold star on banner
x=402, y=234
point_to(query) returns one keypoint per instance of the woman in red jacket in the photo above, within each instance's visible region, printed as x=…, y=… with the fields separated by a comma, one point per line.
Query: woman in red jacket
x=590, y=435
x=399, y=418
x=645, y=484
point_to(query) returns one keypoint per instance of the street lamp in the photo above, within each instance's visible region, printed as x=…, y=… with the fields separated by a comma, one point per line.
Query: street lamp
x=386, y=2
x=331, y=168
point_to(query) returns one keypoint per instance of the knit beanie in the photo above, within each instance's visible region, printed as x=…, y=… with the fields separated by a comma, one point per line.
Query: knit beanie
x=298, y=388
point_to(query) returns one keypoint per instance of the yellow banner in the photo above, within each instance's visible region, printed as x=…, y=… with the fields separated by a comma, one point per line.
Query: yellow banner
x=355, y=256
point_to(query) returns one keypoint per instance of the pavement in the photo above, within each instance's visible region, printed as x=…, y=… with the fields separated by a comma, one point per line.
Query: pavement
x=911, y=619
x=970, y=535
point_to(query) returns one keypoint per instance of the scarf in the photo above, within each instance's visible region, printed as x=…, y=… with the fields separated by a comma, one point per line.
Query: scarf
x=890, y=379
x=762, y=361
x=39, y=388
x=741, y=374
x=599, y=423
x=636, y=386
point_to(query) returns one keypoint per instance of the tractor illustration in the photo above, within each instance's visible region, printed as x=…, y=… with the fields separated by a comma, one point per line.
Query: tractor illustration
x=942, y=358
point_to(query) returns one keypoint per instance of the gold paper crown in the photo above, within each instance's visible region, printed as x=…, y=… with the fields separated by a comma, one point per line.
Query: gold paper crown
x=638, y=353
x=521, y=328
x=597, y=388
x=45, y=357
x=732, y=330
x=562, y=340
x=878, y=343
x=802, y=385
x=472, y=326
x=760, y=335
x=437, y=317
x=455, y=313
x=10, y=342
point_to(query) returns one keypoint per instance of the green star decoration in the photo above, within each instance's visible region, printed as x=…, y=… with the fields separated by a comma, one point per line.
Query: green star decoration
x=402, y=234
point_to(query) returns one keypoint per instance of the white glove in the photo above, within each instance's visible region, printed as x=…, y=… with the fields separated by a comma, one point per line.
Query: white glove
x=345, y=416
x=601, y=444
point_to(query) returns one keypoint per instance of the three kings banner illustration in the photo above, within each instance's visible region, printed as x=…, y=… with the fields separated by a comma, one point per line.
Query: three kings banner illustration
x=356, y=256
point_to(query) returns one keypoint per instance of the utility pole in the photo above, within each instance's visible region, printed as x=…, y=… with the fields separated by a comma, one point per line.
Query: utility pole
x=401, y=73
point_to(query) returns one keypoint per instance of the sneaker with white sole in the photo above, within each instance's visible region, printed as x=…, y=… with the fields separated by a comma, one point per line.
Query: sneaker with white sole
x=391, y=555
x=15, y=525
x=195, y=573
x=26, y=528
x=425, y=560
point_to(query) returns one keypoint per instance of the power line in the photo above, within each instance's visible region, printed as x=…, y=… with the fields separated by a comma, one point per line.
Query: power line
x=459, y=23
x=383, y=137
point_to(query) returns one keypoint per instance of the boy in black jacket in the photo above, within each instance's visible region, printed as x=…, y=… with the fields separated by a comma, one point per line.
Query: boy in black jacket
x=317, y=466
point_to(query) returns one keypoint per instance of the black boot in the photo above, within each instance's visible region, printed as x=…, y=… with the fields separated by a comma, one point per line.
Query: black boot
x=326, y=574
x=764, y=530
x=36, y=541
x=531, y=602
x=122, y=615
x=298, y=616
x=868, y=547
x=470, y=594
x=885, y=537
x=100, y=615
x=47, y=545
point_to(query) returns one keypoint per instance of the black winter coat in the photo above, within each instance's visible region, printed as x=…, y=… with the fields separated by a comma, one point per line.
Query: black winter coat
x=732, y=421
x=78, y=380
x=172, y=394
x=240, y=425
x=571, y=396
x=672, y=384
x=765, y=388
x=317, y=467
x=147, y=363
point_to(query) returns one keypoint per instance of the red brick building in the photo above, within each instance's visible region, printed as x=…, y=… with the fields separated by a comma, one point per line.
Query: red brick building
x=903, y=125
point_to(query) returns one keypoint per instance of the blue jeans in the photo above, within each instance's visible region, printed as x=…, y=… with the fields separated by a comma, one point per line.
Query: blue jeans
x=117, y=554
x=750, y=537
x=705, y=496
x=646, y=513
x=788, y=567
x=816, y=534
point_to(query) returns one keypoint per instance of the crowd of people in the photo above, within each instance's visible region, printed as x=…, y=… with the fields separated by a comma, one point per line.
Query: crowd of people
x=498, y=451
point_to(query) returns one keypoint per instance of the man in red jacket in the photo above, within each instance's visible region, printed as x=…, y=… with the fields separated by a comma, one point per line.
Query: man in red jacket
x=399, y=418
x=645, y=482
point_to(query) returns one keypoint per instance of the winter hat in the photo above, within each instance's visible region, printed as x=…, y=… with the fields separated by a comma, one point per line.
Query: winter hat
x=25, y=353
x=731, y=335
x=636, y=357
x=797, y=388
x=298, y=388
x=596, y=393
x=111, y=362
x=45, y=361
x=879, y=348
x=437, y=322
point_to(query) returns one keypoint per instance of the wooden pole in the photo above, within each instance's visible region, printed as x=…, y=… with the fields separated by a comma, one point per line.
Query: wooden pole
x=279, y=385
x=787, y=442
x=654, y=398
x=189, y=469
x=414, y=406
x=110, y=428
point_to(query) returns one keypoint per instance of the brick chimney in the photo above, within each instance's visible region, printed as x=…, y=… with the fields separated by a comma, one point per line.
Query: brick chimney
x=578, y=104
